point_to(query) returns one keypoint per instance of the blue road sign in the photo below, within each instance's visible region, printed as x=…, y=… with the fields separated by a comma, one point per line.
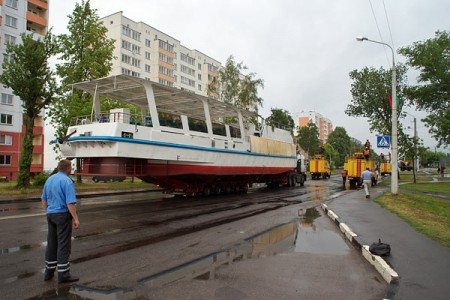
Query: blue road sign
x=383, y=141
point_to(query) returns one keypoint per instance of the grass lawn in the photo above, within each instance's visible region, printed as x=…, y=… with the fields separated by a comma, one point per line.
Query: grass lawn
x=8, y=188
x=426, y=214
x=432, y=188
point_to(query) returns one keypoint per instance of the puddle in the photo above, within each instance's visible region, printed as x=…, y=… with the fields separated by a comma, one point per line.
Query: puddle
x=22, y=248
x=20, y=276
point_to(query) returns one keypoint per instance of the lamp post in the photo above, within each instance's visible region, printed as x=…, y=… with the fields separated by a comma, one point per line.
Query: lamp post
x=394, y=158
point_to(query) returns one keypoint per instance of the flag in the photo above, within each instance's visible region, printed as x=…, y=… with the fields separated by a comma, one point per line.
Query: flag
x=390, y=101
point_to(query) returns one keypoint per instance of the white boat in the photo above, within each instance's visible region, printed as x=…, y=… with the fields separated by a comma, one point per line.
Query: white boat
x=180, y=141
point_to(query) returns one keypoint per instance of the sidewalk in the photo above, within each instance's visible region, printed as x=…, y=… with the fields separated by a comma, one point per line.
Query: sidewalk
x=422, y=265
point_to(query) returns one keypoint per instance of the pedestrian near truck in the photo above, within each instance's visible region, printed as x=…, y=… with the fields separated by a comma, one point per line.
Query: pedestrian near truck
x=344, y=177
x=366, y=177
x=59, y=200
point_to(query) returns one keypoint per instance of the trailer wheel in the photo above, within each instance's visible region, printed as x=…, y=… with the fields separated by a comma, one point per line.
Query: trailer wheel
x=218, y=189
x=228, y=189
x=245, y=188
x=302, y=180
x=206, y=191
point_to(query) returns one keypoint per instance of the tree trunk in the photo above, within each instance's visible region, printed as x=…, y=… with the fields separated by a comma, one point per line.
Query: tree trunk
x=23, y=178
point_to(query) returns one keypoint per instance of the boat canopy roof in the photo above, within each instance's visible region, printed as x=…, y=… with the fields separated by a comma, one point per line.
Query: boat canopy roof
x=167, y=99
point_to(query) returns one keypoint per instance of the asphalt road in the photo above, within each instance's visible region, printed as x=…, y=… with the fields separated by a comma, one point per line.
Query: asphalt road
x=267, y=244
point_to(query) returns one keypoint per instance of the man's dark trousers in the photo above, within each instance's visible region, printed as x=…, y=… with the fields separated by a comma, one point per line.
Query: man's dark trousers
x=58, y=244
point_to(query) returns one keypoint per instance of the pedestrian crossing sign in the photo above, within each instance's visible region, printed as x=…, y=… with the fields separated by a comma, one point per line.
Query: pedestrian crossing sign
x=383, y=141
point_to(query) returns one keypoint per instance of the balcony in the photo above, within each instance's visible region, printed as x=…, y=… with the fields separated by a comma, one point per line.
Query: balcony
x=39, y=3
x=36, y=19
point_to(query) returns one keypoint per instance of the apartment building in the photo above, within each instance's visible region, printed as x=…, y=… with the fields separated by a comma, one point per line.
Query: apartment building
x=325, y=126
x=16, y=17
x=145, y=52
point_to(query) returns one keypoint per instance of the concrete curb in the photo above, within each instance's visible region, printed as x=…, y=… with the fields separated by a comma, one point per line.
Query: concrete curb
x=389, y=275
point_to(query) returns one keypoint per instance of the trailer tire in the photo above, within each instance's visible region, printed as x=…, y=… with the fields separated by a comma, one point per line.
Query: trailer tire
x=228, y=189
x=206, y=191
x=218, y=189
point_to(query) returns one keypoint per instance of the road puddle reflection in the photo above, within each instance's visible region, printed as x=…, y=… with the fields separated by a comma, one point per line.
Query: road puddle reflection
x=292, y=238
x=22, y=248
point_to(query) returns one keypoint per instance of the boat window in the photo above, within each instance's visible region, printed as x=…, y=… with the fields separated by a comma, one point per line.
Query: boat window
x=197, y=125
x=170, y=120
x=219, y=129
x=235, y=132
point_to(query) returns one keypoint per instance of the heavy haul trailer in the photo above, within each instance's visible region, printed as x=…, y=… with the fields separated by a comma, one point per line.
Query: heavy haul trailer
x=355, y=165
x=181, y=141
x=319, y=167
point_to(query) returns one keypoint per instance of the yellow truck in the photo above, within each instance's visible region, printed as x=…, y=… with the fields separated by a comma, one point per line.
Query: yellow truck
x=319, y=167
x=385, y=168
x=355, y=165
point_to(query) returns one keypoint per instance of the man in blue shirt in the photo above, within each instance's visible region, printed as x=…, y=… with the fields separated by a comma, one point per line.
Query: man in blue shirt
x=366, y=177
x=59, y=200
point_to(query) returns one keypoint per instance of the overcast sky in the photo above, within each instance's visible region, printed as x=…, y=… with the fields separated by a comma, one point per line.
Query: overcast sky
x=303, y=50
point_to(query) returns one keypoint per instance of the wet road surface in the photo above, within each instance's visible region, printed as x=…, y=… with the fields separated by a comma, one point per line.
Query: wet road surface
x=133, y=245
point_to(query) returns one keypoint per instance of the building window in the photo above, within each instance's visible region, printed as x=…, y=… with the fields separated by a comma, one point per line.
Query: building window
x=11, y=21
x=10, y=39
x=187, y=58
x=147, y=68
x=6, y=119
x=5, y=160
x=147, y=43
x=199, y=76
x=6, y=99
x=165, y=71
x=187, y=81
x=6, y=58
x=199, y=66
x=199, y=87
x=5, y=139
x=11, y=3
x=166, y=46
x=147, y=55
x=131, y=33
x=126, y=71
x=165, y=58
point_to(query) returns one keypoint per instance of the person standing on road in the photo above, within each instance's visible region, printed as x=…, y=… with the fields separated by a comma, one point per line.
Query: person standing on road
x=59, y=200
x=344, y=177
x=366, y=177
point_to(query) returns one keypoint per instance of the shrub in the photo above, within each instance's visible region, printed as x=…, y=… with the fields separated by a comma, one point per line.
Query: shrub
x=40, y=179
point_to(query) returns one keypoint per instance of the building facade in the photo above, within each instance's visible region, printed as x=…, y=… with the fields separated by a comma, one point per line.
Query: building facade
x=16, y=17
x=145, y=52
x=323, y=124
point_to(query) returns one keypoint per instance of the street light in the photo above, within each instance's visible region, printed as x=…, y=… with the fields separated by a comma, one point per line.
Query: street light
x=394, y=158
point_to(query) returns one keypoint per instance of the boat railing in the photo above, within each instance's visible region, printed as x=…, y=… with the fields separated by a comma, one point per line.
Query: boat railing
x=112, y=117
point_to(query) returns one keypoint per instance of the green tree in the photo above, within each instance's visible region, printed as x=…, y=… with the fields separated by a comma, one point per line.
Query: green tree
x=370, y=89
x=432, y=94
x=308, y=138
x=235, y=88
x=28, y=74
x=340, y=141
x=430, y=158
x=87, y=54
x=280, y=118
x=332, y=155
